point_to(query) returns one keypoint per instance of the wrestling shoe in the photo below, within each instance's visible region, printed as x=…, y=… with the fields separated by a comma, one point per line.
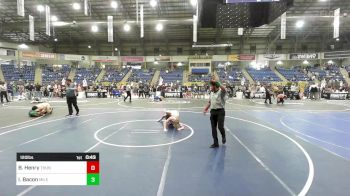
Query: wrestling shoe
x=214, y=146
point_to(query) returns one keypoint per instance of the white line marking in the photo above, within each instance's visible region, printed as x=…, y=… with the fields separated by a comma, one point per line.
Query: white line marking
x=87, y=121
x=165, y=171
x=21, y=122
x=146, y=132
x=25, y=191
x=309, y=136
x=132, y=107
x=27, y=142
x=333, y=153
x=317, y=124
x=35, y=139
x=49, y=121
x=141, y=146
x=329, y=116
x=107, y=137
x=285, y=186
x=310, y=178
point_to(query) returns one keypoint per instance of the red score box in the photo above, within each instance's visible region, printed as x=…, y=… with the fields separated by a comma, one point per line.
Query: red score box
x=93, y=167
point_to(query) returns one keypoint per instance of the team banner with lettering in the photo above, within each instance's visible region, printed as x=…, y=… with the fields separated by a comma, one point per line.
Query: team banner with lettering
x=104, y=58
x=31, y=28
x=283, y=25
x=241, y=57
x=48, y=20
x=162, y=58
x=133, y=59
x=72, y=57
x=20, y=7
x=110, y=28
x=247, y=57
x=232, y=57
x=200, y=57
x=38, y=55
x=272, y=57
x=303, y=56
x=336, y=23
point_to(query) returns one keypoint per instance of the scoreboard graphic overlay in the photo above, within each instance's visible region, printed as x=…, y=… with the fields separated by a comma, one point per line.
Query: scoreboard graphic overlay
x=58, y=169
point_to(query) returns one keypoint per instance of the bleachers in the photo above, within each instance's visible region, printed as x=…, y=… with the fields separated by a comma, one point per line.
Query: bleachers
x=293, y=75
x=328, y=72
x=263, y=75
x=12, y=73
x=199, y=78
x=172, y=76
x=141, y=75
x=234, y=75
x=51, y=74
x=89, y=74
x=112, y=75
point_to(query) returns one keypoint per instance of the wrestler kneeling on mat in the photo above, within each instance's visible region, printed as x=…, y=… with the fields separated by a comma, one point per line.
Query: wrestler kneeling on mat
x=281, y=97
x=40, y=109
x=172, y=119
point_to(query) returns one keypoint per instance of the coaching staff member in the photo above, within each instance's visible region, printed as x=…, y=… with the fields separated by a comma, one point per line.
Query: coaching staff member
x=71, y=94
x=218, y=97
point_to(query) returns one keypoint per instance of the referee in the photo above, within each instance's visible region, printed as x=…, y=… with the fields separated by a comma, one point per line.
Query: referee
x=218, y=97
x=71, y=92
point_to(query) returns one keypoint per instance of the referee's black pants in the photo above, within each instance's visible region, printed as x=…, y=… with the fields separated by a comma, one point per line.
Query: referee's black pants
x=3, y=94
x=128, y=94
x=268, y=97
x=217, y=119
x=72, y=101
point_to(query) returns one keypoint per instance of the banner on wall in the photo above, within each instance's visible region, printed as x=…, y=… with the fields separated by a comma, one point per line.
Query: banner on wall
x=337, y=55
x=303, y=56
x=241, y=57
x=200, y=57
x=132, y=58
x=3, y=52
x=110, y=28
x=41, y=55
x=133, y=65
x=232, y=57
x=72, y=57
x=11, y=53
x=272, y=57
x=86, y=7
x=336, y=23
x=48, y=20
x=162, y=58
x=283, y=25
x=31, y=28
x=20, y=7
x=104, y=58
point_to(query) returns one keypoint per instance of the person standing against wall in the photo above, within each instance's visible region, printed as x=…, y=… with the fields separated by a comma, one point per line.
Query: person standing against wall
x=71, y=95
x=218, y=97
